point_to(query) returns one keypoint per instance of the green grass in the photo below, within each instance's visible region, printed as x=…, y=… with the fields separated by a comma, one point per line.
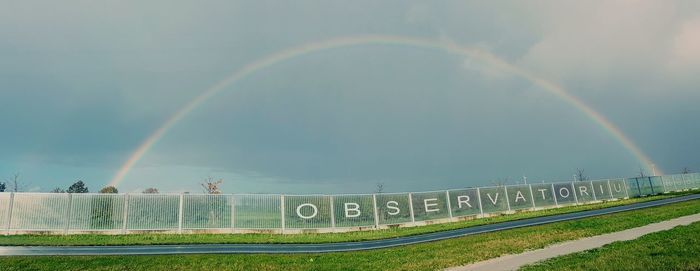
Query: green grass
x=427, y=256
x=162, y=239
x=675, y=249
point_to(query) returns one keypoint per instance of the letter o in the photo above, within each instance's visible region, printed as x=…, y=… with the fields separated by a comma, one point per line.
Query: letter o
x=312, y=207
x=562, y=194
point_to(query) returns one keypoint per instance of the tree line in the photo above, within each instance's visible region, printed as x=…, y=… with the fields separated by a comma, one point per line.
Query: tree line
x=15, y=184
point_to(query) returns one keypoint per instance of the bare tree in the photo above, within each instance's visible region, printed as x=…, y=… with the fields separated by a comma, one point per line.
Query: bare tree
x=581, y=175
x=210, y=186
x=380, y=188
x=500, y=181
x=641, y=173
x=686, y=170
x=58, y=190
x=151, y=190
x=15, y=183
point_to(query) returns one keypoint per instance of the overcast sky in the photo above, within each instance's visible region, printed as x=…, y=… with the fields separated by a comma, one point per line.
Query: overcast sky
x=83, y=83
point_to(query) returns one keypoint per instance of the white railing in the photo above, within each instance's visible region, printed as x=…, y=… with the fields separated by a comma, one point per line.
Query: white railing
x=128, y=213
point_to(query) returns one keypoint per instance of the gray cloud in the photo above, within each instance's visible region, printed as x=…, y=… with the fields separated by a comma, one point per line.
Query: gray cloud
x=82, y=84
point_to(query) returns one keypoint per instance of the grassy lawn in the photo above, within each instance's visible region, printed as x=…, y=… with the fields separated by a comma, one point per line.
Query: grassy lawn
x=159, y=239
x=675, y=249
x=427, y=256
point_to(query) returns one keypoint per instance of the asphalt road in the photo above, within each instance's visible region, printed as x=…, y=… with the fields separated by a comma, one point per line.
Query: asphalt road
x=319, y=248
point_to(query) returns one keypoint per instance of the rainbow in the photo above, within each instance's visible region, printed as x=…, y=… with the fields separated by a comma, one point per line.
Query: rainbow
x=441, y=45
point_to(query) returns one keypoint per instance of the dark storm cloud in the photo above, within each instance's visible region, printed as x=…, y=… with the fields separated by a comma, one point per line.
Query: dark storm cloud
x=83, y=83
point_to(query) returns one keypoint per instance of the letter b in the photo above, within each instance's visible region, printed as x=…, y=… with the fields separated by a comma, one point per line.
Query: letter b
x=352, y=207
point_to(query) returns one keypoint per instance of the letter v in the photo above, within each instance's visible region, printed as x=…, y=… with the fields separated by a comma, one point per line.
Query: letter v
x=493, y=200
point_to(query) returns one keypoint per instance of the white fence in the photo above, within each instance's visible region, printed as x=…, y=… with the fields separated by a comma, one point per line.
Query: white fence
x=125, y=213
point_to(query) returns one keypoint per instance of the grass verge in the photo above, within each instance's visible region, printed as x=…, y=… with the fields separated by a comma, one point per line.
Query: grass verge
x=427, y=256
x=164, y=239
x=675, y=249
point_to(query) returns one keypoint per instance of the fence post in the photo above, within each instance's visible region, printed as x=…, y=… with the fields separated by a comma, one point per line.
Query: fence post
x=573, y=188
x=505, y=188
x=449, y=205
x=410, y=208
x=593, y=189
x=554, y=193
x=532, y=197
x=481, y=207
x=9, y=213
x=610, y=189
x=673, y=182
x=233, y=213
x=376, y=213
x=651, y=185
x=179, y=214
x=70, y=213
x=332, y=213
x=627, y=188
x=126, y=212
x=282, y=211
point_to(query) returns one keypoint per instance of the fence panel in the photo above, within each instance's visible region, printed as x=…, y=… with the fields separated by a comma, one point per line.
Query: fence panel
x=635, y=187
x=543, y=194
x=565, y=193
x=393, y=209
x=464, y=202
x=678, y=180
x=206, y=211
x=668, y=183
x=4, y=212
x=657, y=184
x=584, y=191
x=687, y=181
x=646, y=186
x=618, y=188
x=493, y=199
x=257, y=212
x=4, y=205
x=96, y=212
x=430, y=205
x=34, y=211
x=307, y=212
x=353, y=210
x=601, y=189
x=153, y=212
x=520, y=197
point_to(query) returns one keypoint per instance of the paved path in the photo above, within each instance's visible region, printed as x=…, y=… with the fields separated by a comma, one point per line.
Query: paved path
x=322, y=248
x=513, y=262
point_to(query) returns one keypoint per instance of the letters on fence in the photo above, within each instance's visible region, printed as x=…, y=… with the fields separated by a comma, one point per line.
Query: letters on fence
x=124, y=213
